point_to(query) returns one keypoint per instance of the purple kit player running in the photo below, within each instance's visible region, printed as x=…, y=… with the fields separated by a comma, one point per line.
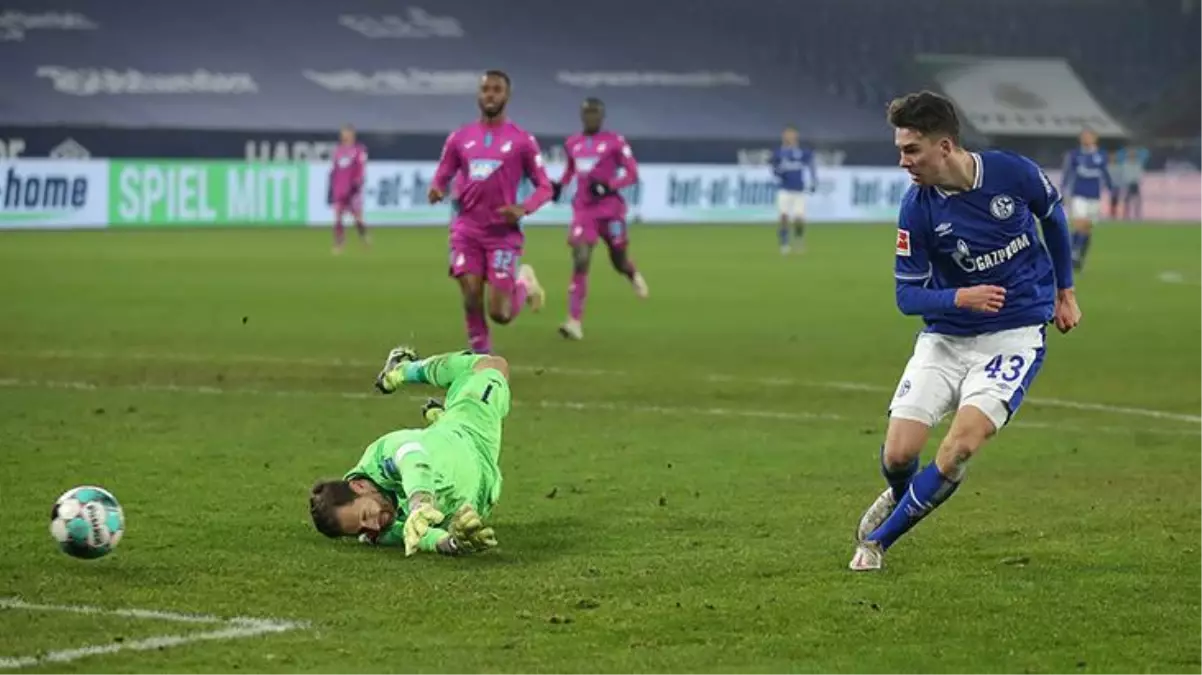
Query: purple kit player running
x=346, y=185
x=602, y=163
x=491, y=156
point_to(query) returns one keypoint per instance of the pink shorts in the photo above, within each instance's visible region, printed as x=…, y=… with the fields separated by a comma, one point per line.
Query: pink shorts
x=352, y=203
x=590, y=224
x=493, y=257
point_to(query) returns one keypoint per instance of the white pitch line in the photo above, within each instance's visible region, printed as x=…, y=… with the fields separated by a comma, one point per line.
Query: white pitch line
x=591, y=372
x=795, y=416
x=231, y=629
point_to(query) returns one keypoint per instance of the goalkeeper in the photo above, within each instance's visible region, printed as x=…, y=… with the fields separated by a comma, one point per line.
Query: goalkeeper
x=427, y=488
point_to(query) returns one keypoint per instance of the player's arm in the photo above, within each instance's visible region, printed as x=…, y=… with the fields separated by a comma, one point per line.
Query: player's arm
x=1110, y=190
x=532, y=165
x=360, y=171
x=912, y=275
x=1067, y=174
x=812, y=165
x=449, y=164
x=774, y=163
x=569, y=172
x=1044, y=201
x=631, y=166
x=912, y=272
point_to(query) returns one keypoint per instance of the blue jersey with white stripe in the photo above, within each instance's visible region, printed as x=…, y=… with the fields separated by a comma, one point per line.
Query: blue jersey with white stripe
x=1085, y=173
x=985, y=235
x=790, y=165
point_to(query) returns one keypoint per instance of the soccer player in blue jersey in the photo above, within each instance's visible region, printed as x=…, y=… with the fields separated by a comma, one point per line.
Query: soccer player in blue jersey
x=790, y=162
x=971, y=264
x=1084, y=174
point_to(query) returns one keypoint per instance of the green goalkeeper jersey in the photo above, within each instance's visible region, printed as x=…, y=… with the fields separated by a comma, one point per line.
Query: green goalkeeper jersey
x=456, y=459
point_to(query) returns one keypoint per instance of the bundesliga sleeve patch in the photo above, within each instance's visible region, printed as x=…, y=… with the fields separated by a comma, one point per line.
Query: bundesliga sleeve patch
x=903, y=243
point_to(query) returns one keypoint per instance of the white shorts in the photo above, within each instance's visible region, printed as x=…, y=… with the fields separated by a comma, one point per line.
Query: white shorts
x=991, y=372
x=1081, y=208
x=791, y=204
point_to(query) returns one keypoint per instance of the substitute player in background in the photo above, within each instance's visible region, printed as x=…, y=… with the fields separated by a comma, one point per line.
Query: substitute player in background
x=970, y=262
x=409, y=482
x=790, y=162
x=1083, y=176
x=490, y=158
x=347, y=174
x=602, y=163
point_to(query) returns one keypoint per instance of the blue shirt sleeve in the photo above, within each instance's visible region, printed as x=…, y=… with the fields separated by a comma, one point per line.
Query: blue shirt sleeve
x=1067, y=173
x=912, y=267
x=1044, y=201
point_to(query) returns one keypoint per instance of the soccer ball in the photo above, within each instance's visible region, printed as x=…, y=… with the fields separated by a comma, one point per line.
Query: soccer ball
x=87, y=522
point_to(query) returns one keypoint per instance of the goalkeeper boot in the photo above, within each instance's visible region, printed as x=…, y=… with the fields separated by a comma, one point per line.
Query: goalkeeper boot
x=433, y=410
x=390, y=377
x=876, y=514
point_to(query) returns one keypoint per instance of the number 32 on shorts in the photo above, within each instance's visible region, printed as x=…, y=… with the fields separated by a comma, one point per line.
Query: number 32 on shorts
x=1006, y=368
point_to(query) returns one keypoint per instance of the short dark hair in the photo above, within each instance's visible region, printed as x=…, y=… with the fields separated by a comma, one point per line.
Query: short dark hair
x=927, y=113
x=501, y=74
x=324, y=500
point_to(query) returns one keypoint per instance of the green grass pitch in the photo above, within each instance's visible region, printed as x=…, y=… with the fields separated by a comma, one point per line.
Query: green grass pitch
x=681, y=487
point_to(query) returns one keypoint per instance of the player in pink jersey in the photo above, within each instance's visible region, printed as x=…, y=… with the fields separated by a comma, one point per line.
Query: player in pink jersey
x=346, y=185
x=602, y=163
x=490, y=157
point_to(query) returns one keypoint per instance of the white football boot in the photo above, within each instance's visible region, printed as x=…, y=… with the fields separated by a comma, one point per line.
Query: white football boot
x=640, y=285
x=869, y=557
x=876, y=514
x=535, y=295
x=572, y=330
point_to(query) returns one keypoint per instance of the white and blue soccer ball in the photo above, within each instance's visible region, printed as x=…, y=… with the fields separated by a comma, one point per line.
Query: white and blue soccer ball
x=87, y=522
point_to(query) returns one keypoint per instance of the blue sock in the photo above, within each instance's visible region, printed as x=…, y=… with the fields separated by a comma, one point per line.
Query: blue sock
x=1085, y=237
x=899, y=478
x=1076, y=240
x=782, y=233
x=927, y=491
x=414, y=371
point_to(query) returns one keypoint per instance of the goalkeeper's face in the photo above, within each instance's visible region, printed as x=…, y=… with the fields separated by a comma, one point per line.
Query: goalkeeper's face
x=369, y=513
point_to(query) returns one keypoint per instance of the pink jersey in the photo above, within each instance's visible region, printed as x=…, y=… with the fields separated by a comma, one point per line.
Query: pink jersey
x=597, y=158
x=490, y=161
x=350, y=168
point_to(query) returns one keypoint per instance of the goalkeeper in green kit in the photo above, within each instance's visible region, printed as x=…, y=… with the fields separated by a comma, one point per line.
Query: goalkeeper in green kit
x=431, y=488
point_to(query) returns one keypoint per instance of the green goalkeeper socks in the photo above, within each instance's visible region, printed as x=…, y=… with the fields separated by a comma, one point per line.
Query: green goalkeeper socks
x=440, y=370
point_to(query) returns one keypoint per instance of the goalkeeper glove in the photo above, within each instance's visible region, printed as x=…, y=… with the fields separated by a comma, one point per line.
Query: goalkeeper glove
x=422, y=515
x=432, y=410
x=556, y=191
x=468, y=531
x=599, y=189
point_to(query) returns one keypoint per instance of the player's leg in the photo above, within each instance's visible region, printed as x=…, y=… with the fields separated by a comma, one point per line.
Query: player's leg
x=798, y=215
x=927, y=392
x=1002, y=367
x=1083, y=212
x=581, y=240
x=404, y=366
x=468, y=268
x=783, y=202
x=511, y=285
x=617, y=241
x=339, y=232
x=357, y=214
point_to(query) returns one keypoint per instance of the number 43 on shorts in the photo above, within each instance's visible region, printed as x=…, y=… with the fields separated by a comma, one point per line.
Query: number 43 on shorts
x=1008, y=368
